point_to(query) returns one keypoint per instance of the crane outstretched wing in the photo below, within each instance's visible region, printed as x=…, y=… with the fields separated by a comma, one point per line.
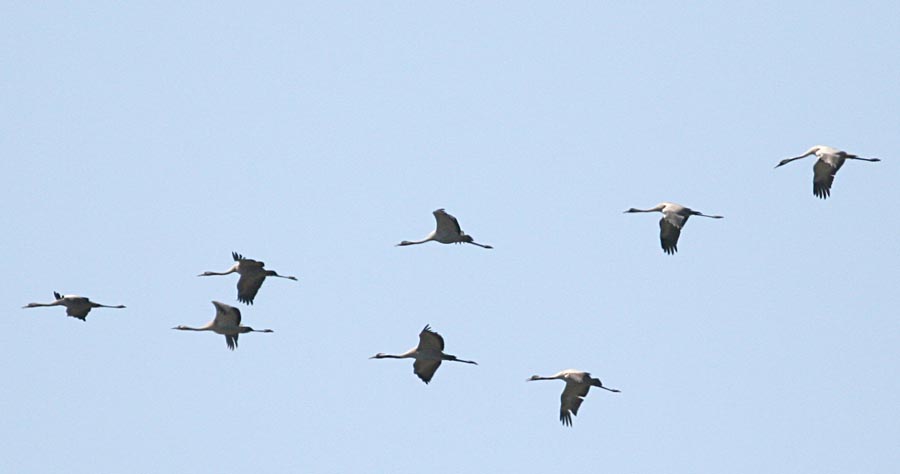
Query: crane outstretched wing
x=248, y=285
x=823, y=177
x=430, y=340
x=446, y=223
x=425, y=369
x=570, y=401
x=226, y=316
x=669, y=230
x=80, y=312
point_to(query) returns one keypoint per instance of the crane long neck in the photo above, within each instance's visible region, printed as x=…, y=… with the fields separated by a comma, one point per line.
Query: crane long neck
x=655, y=209
x=230, y=271
x=393, y=356
x=38, y=305
x=547, y=378
x=188, y=328
x=788, y=160
x=416, y=242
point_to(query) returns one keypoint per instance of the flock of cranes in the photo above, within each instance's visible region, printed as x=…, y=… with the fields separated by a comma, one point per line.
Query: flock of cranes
x=429, y=353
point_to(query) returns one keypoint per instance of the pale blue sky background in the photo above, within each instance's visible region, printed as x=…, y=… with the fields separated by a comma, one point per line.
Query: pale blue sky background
x=142, y=144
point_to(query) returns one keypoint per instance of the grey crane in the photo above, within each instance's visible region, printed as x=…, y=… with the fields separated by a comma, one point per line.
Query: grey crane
x=675, y=216
x=578, y=383
x=227, y=322
x=428, y=355
x=76, y=306
x=447, y=231
x=829, y=162
x=252, y=276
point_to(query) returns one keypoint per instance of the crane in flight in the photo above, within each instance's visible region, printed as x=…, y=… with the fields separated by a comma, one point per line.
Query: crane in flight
x=578, y=383
x=428, y=355
x=227, y=323
x=829, y=162
x=675, y=216
x=76, y=306
x=252, y=276
x=447, y=231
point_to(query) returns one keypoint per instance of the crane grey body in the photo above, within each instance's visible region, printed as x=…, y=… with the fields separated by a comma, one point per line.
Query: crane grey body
x=675, y=216
x=252, y=276
x=428, y=355
x=76, y=306
x=227, y=323
x=578, y=383
x=447, y=231
x=829, y=162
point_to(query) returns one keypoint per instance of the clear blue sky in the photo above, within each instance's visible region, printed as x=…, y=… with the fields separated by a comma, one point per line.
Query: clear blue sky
x=143, y=143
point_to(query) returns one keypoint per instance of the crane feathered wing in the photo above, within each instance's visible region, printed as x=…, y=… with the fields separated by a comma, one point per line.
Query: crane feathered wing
x=823, y=178
x=669, y=230
x=425, y=369
x=226, y=316
x=571, y=399
x=231, y=340
x=430, y=340
x=80, y=312
x=248, y=286
x=446, y=224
